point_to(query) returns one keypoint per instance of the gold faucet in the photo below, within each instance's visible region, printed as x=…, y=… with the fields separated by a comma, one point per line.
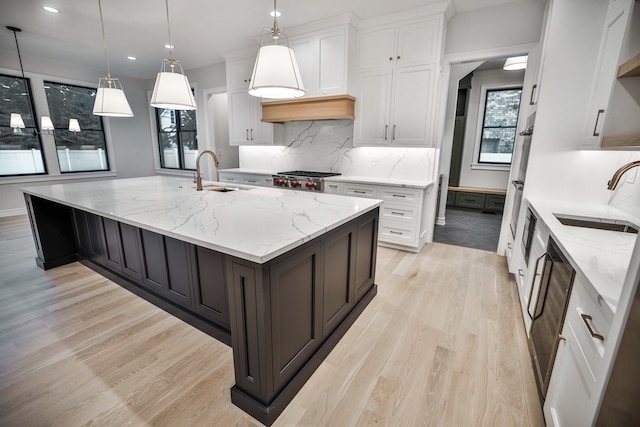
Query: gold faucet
x=198, y=177
x=613, y=182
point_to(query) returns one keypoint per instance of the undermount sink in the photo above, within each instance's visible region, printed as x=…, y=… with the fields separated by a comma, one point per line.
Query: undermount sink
x=221, y=189
x=600, y=224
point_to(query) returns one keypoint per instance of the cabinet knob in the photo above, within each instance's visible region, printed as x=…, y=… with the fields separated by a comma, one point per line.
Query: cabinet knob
x=398, y=57
x=391, y=58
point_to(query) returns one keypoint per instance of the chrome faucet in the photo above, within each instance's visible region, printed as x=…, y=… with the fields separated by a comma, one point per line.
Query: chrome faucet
x=613, y=182
x=198, y=177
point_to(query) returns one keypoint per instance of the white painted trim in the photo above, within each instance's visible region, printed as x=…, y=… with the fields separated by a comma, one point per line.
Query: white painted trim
x=440, y=220
x=62, y=177
x=480, y=55
x=490, y=166
x=13, y=212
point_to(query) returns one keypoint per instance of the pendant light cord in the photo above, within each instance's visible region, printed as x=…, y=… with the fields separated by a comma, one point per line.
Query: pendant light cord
x=171, y=59
x=104, y=43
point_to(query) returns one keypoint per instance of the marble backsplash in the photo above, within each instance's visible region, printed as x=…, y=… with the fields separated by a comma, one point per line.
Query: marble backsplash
x=327, y=145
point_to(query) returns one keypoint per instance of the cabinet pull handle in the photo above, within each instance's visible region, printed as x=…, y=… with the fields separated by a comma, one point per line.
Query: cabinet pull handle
x=252, y=134
x=393, y=134
x=509, y=245
x=247, y=132
x=359, y=192
x=533, y=284
x=533, y=91
x=587, y=321
x=386, y=128
x=595, y=132
x=395, y=232
x=397, y=213
x=399, y=195
x=520, y=273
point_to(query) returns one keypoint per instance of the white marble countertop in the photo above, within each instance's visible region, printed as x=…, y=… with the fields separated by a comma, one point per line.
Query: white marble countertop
x=255, y=223
x=408, y=183
x=600, y=256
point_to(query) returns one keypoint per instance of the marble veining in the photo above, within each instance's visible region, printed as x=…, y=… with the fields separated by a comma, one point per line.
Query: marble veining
x=253, y=223
x=601, y=257
x=327, y=145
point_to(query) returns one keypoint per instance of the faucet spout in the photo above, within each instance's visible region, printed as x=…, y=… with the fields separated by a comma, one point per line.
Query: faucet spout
x=198, y=177
x=613, y=182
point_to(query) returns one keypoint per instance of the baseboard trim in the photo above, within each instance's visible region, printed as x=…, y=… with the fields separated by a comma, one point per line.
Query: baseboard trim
x=440, y=220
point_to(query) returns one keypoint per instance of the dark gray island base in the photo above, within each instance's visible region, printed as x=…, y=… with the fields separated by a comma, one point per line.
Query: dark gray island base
x=281, y=317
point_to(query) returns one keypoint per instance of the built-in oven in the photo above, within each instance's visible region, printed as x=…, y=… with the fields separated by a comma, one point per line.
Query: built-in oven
x=548, y=313
x=528, y=234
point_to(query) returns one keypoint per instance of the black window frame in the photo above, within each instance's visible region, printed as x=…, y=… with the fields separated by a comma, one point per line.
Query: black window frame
x=60, y=129
x=484, y=116
x=30, y=130
x=179, y=137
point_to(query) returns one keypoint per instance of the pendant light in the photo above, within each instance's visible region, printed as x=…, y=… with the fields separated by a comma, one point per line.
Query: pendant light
x=275, y=73
x=172, y=89
x=16, y=121
x=110, y=98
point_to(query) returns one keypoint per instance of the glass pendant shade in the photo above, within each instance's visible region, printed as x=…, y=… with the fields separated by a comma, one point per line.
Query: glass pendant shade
x=46, y=124
x=276, y=74
x=111, y=100
x=515, y=63
x=74, y=126
x=16, y=121
x=172, y=89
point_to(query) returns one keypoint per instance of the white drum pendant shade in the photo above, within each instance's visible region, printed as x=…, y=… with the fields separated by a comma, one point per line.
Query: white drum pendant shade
x=172, y=91
x=111, y=100
x=276, y=74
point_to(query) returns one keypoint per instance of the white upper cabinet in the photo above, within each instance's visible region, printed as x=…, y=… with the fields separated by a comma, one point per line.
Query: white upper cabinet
x=599, y=109
x=398, y=68
x=402, y=45
x=323, y=60
x=239, y=73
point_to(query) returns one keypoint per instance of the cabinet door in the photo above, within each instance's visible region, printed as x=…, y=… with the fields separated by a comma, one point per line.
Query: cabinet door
x=605, y=76
x=154, y=261
x=376, y=48
x=339, y=278
x=373, y=104
x=366, y=249
x=418, y=43
x=113, y=244
x=179, y=271
x=260, y=133
x=131, y=252
x=239, y=73
x=240, y=116
x=412, y=111
x=304, y=49
x=210, y=290
x=332, y=64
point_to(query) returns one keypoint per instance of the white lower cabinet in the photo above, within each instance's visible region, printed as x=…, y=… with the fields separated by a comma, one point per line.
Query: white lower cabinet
x=261, y=180
x=402, y=214
x=579, y=370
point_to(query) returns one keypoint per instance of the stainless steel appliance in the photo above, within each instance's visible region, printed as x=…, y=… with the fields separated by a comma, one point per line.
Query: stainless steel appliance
x=549, y=313
x=518, y=183
x=302, y=180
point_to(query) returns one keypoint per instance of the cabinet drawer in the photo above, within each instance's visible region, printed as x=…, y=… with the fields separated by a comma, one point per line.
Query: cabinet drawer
x=401, y=195
x=494, y=202
x=470, y=200
x=333, y=187
x=582, y=314
x=224, y=177
x=252, y=180
x=398, y=233
x=405, y=214
x=451, y=198
x=357, y=190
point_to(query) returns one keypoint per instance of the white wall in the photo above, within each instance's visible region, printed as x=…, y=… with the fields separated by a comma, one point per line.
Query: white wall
x=495, y=27
x=475, y=177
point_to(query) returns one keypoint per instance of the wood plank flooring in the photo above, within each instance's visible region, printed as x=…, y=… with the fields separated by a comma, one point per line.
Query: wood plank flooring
x=442, y=344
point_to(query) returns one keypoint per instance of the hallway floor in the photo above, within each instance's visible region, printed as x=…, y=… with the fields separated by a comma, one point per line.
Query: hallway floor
x=470, y=228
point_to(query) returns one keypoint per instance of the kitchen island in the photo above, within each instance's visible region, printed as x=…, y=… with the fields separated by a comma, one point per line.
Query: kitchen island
x=280, y=275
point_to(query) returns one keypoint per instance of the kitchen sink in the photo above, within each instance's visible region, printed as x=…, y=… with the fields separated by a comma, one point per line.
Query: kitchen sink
x=221, y=189
x=600, y=224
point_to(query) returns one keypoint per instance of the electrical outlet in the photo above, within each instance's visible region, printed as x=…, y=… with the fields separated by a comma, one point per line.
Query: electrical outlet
x=631, y=175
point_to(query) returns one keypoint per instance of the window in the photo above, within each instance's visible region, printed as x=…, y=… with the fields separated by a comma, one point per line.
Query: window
x=20, y=149
x=84, y=149
x=499, y=125
x=177, y=138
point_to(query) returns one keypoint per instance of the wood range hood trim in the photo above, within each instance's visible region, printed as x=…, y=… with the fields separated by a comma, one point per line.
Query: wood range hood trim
x=318, y=108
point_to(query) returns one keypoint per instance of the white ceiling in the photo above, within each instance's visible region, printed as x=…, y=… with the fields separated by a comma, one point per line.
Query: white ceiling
x=201, y=29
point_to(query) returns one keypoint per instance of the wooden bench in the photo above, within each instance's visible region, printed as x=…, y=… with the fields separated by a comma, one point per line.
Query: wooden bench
x=487, y=199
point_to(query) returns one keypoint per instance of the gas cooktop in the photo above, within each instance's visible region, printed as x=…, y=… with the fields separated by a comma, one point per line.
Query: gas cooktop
x=309, y=174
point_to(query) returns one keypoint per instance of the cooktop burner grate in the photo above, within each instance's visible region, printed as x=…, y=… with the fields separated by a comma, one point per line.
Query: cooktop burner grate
x=309, y=174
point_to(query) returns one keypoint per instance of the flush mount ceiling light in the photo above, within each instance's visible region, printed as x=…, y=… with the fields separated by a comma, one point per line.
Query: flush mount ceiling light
x=275, y=73
x=172, y=89
x=110, y=98
x=515, y=63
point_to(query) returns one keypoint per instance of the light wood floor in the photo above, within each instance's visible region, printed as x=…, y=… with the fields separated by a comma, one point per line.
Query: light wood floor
x=442, y=344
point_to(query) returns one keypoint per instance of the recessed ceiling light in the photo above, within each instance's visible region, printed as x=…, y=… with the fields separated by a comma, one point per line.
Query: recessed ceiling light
x=276, y=13
x=169, y=46
x=51, y=9
x=131, y=58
